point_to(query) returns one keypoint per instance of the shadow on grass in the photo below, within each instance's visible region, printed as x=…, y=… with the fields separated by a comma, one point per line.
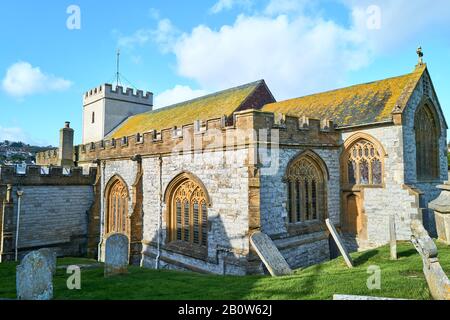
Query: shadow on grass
x=363, y=258
x=406, y=253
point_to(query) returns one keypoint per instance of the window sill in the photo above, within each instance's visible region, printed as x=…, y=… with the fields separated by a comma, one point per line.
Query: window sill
x=358, y=187
x=187, y=249
x=305, y=227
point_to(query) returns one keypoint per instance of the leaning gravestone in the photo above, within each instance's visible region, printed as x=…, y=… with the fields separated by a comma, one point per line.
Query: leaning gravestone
x=50, y=256
x=116, y=254
x=34, y=278
x=270, y=255
x=339, y=243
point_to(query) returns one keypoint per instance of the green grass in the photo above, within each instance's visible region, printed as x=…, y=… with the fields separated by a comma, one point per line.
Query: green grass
x=400, y=279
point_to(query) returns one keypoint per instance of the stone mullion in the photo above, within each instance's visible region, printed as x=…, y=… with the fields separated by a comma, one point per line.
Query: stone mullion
x=310, y=199
x=304, y=201
x=191, y=221
x=294, y=192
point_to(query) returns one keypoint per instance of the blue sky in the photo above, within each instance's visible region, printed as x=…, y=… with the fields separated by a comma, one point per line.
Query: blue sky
x=183, y=49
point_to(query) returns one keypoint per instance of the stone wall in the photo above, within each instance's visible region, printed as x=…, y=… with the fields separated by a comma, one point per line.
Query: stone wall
x=430, y=192
x=392, y=198
x=227, y=189
x=227, y=186
x=54, y=216
x=54, y=210
x=231, y=177
x=311, y=246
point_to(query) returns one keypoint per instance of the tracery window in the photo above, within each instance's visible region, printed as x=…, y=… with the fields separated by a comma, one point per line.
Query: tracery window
x=364, y=164
x=306, y=192
x=427, y=142
x=117, y=208
x=189, y=214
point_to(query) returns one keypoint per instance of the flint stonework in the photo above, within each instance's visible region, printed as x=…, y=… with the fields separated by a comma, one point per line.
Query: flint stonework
x=34, y=278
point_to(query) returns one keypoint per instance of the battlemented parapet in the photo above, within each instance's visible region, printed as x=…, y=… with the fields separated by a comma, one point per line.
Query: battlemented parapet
x=53, y=212
x=38, y=176
x=48, y=158
x=106, y=106
x=243, y=129
x=118, y=93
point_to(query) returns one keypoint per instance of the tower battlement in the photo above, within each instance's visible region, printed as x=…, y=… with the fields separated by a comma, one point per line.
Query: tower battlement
x=108, y=91
x=106, y=106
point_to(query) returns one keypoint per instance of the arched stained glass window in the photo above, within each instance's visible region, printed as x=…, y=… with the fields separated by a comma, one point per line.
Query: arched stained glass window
x=364, y=164
x=117, y=209
x=427, y=144
x=306, y=191
x=189, y=214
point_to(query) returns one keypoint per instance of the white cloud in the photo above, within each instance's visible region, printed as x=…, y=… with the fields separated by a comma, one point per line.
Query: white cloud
x=165, y=34
x=293, y=47
x=402, y=22
x=295, y=56
x=22, y=79
x=222, y=5
x=284, y=6
x=177, y=94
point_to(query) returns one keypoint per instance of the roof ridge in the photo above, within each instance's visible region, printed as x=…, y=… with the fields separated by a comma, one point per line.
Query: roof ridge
x=214, y=94
x=349, y=87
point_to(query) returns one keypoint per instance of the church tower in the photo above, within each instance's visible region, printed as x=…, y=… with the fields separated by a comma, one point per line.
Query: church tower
x=105, y=107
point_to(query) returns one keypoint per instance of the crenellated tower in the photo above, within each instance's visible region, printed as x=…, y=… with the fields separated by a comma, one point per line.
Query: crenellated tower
x=105, y=107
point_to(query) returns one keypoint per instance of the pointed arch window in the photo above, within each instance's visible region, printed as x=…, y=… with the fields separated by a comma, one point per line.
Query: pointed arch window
x=364, y=164
x=427, y=144
x=117, y=208
x=306, y=191
x=188, y=213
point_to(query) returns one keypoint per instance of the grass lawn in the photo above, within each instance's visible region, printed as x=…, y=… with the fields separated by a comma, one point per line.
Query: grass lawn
x=400, y=279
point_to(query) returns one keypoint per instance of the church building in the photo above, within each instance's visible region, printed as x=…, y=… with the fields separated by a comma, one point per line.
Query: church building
x=190, y=183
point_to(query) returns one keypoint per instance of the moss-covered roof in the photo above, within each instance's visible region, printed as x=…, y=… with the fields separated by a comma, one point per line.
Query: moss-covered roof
x=208, y=107
x=356, y=105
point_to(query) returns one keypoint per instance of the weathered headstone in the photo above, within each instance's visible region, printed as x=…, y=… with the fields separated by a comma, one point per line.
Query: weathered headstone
x=50, y=256
x=34, y=278
x=437, y=280
x=393, y=237
x=270, y=255
x=116, y=254
x=339, y=243
x=441, y=207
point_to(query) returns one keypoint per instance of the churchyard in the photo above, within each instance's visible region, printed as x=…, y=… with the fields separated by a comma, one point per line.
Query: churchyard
x=403, y=278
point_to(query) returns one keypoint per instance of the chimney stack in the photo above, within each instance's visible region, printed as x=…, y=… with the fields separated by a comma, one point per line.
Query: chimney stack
x=66, y=146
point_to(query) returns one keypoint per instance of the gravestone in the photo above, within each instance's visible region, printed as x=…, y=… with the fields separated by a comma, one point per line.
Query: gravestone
x=116, y=254
x=270, y=255
x=392, y=237
x=437, y=280
x=441, y=207
x=34, y=278
x=50, y=256
x=339, y=243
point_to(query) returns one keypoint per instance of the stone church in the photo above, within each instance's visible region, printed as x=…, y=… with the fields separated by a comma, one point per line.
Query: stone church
x=189, y=183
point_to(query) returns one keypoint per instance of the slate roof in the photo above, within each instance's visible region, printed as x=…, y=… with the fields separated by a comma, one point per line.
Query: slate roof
x=356, y=105
x=208, y=107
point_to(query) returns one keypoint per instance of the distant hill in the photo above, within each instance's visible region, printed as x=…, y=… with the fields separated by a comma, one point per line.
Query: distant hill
x=12, y=152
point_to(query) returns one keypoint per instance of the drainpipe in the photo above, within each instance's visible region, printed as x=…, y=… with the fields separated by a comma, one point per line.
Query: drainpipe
x=160, y=214
x=102, y=208
x=19, y=202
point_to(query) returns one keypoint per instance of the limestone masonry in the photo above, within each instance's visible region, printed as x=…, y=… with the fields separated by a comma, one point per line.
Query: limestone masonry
x=189, y=184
